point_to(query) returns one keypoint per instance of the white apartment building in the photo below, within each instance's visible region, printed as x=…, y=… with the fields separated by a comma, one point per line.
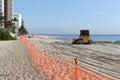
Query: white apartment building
x=2, y=11
x=18, y=23
x=2, y=7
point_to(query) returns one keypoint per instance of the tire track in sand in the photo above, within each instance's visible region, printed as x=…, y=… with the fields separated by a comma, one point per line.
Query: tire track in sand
x=16, y=63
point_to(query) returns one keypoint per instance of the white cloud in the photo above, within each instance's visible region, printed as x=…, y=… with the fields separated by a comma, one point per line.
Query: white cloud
x=101, y=13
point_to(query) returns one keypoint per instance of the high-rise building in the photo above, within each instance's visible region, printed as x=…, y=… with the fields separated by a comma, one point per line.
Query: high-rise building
x=2, y=7
x=18, y=21
x=2, y=12
x=8, y=9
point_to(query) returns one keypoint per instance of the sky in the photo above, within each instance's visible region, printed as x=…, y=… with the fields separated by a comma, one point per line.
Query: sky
x=70, y=16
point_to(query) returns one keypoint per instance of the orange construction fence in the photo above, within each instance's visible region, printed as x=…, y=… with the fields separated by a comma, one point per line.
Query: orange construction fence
x=59, y=69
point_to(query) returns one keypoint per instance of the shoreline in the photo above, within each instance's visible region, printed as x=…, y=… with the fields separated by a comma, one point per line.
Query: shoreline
x=70, y=41
x=70, y=37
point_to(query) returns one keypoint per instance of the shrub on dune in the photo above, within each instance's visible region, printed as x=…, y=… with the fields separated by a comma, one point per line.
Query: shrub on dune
x=5, y=35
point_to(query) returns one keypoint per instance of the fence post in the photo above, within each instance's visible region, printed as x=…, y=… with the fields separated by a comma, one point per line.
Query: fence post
x=76, y=71
x=43, y=60
x=43, y=57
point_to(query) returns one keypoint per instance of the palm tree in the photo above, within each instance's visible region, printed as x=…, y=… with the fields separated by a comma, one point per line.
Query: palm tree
x=22, y=30
x=10, y=25
x=1, y=20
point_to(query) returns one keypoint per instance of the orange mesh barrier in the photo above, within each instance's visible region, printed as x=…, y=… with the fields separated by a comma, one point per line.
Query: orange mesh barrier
x=59, y=69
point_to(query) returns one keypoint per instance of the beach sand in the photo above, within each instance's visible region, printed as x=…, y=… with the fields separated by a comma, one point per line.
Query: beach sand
x=16, y=63
x=102, y=58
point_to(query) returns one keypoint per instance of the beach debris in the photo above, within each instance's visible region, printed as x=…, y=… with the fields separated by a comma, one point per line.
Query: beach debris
x=31, y=36
x=118, y=42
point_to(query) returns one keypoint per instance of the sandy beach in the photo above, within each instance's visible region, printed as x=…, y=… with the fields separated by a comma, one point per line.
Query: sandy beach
x=16, y=63
x=101, y=58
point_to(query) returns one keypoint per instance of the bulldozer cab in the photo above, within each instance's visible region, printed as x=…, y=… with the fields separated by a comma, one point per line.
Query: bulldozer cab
x=84, y=36
x=84, y=32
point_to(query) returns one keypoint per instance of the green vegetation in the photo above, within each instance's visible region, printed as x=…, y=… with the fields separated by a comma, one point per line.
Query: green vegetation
x=9, y=26
x=1, y=19
x=22, y=30
x=5, y=35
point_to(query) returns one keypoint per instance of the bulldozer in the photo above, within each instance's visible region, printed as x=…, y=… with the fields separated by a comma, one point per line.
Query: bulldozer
x=84, y=38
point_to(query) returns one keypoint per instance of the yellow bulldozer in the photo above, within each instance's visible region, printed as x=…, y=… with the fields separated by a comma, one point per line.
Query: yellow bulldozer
x=84, y=38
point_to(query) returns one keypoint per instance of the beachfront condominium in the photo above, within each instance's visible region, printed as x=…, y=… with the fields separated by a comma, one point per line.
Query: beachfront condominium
x=8, y=9
x=2, y=11
x=2, y=7
x=18, y=21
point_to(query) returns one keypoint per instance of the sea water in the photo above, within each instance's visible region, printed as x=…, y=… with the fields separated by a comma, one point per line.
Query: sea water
x=110, y=38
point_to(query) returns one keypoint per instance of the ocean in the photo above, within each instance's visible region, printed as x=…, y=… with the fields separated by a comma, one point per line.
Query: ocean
x=109, y=38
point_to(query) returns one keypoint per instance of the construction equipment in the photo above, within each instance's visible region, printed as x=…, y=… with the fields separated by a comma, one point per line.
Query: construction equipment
x=84, y=38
